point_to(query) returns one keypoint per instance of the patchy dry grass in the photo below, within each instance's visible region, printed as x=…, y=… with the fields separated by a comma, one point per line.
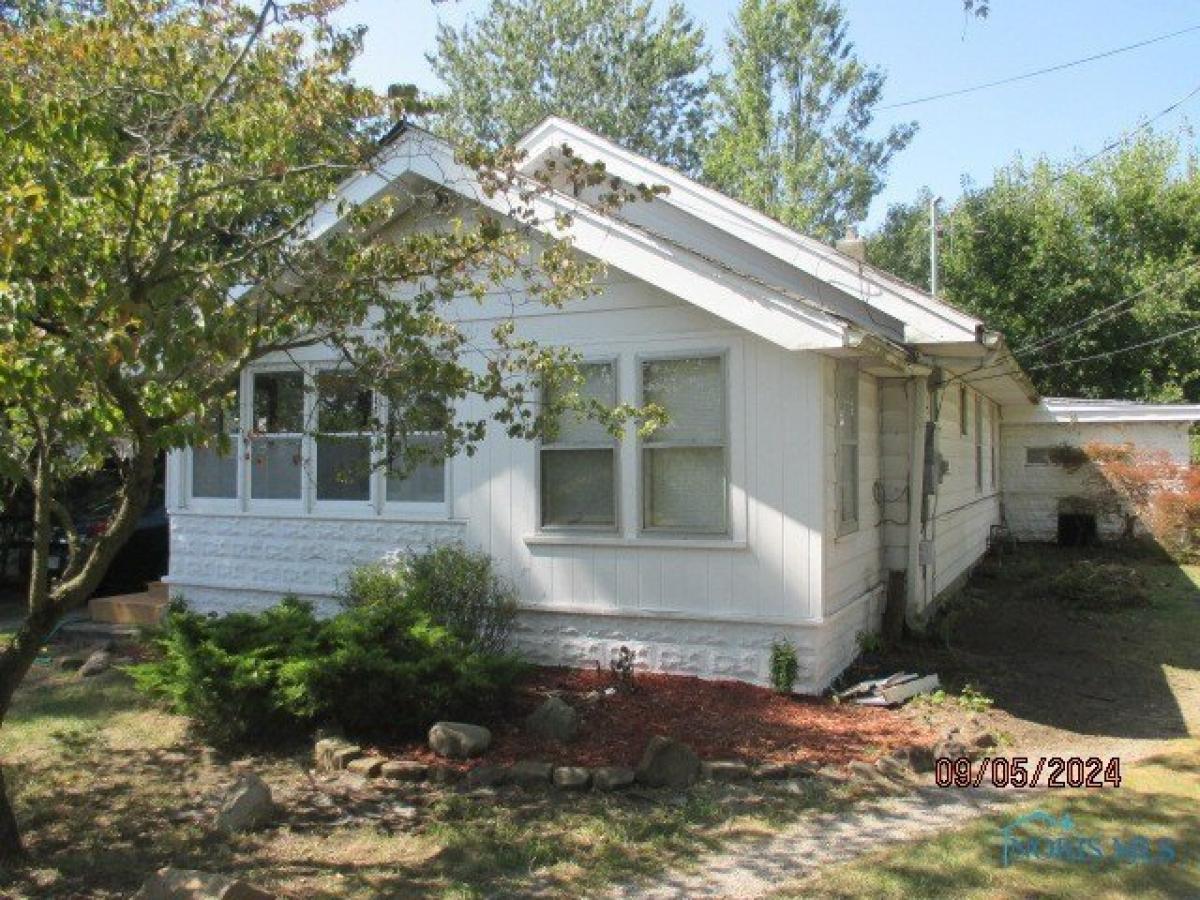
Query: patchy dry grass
x=1159, y=798
x=109, y=788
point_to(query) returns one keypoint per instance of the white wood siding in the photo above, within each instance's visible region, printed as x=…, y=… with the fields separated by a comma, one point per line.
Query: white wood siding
x=854, y=560
x=768, y=569
x=963, y=515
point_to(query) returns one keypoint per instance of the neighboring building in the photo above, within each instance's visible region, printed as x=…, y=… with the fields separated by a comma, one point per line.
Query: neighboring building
x=833, y=431
x=1050, y=495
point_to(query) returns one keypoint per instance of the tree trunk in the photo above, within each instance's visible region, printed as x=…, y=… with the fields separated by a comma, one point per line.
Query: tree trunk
x=11, y=849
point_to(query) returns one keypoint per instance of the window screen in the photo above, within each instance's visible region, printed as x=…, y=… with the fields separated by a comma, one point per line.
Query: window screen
x=578, y=467
x=684, y=471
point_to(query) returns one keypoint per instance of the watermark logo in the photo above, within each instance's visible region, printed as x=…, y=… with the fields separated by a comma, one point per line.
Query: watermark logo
x=1040, y=836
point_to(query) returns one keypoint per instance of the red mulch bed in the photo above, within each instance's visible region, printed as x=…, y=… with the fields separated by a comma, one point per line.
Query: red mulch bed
x=718, y=719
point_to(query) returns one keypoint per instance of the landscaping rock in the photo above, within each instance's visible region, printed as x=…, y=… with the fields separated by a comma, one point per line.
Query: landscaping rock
x=771, y=772
x=667, y=762
x=98, y=662
x=528, y=773
x=69, y=663
x=833, y=774
x=367, y=766
x=868, y=776
x=335, y=754
x=803, y=770
x=189, y=884
x=572, y=778
x=485, y=776
x=554, y=720
x=247, y=806
x=985, y=741
x=950, y=748
x=457, y=740
x=405, y=770
x=443, y=774
x=919, y=759
x=612, y=778
x=726, y=770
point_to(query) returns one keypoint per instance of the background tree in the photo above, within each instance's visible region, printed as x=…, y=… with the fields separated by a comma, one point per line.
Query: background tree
x=1045, y=251
x=155, y=160
x=794, y=115
x=607, y=64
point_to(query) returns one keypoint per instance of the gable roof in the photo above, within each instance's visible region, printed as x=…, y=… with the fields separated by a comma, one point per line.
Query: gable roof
x=1072, y=410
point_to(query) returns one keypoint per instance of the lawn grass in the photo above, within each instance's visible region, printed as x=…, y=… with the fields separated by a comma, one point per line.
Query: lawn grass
x=1158, y=798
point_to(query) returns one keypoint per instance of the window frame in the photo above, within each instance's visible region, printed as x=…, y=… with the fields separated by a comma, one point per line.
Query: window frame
x=641, y=445
x=614, y=363
x=978, y=444
x=303, y=503
x=377, y=506
x=964, y=424
x=847, y=368
x=311, y=458
x=994, y=442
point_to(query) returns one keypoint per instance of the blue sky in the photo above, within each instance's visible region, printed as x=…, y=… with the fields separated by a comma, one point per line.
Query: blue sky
x=925, y=47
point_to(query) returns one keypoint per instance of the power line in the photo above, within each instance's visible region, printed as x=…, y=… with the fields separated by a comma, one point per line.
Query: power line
x=1111, y=311
x=1046, y=71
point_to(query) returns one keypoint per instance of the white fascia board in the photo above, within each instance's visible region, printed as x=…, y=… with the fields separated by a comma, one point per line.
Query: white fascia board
x=926, y=319
x=739, y=301
x=1069, y=410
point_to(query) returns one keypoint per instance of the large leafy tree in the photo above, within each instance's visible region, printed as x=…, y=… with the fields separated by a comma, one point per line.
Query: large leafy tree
x=159, y=162
x=1075, y=264
x=610, y=65
x=794, y=115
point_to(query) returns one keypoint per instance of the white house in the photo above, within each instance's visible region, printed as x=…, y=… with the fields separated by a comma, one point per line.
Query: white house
x=835, y=434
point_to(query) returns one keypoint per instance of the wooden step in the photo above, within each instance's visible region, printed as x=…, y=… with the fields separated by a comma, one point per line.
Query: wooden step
x=128, y=609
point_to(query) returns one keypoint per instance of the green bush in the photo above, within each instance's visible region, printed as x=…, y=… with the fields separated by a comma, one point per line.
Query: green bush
x=458, y=588
x=785, y=665
x=1089, y=584
x=382, y=668
x=240, y=677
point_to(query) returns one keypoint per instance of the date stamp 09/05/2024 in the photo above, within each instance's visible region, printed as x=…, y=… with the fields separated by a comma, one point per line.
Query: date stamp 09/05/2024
x=1026, y=772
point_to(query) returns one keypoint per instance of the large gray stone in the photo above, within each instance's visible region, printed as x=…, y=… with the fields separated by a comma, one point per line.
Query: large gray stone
x=189, y=884
x=98, y=662
x=572, y=778
x=335, y=754
x=528, y=773
x=667, y=762
x=725, y=770
x=612, y=778
x=555, y=720
x=247, y=806
x=456, y=740
x=405, y=770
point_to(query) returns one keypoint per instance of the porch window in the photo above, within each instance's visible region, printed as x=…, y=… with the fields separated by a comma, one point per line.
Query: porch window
x=215, y=466
x=978, y=444
x=276, y=454
x=343, y=439
x=578, y=468
x=684, y=469
x=846, y=428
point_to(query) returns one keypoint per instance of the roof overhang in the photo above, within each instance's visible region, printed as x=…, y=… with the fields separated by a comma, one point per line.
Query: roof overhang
x=749, y=305
x=1070, y=410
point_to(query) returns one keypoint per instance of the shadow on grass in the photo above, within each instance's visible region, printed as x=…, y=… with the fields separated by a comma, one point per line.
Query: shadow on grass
x=1117, y=673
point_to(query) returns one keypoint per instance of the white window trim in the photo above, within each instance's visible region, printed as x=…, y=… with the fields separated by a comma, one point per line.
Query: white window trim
x=313, y=418
x=844, y=527
x=377, y=507
x=609, y=530
x=978, y=444
x=727, y=529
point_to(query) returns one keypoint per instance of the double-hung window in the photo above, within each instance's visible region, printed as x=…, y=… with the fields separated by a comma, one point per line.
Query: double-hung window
x=684, y=462
x=416, y=471
x=276, y=459
x=215, y=465
x=343, y=438
x=579, y=465
x=978, y=444
x=846, y=428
